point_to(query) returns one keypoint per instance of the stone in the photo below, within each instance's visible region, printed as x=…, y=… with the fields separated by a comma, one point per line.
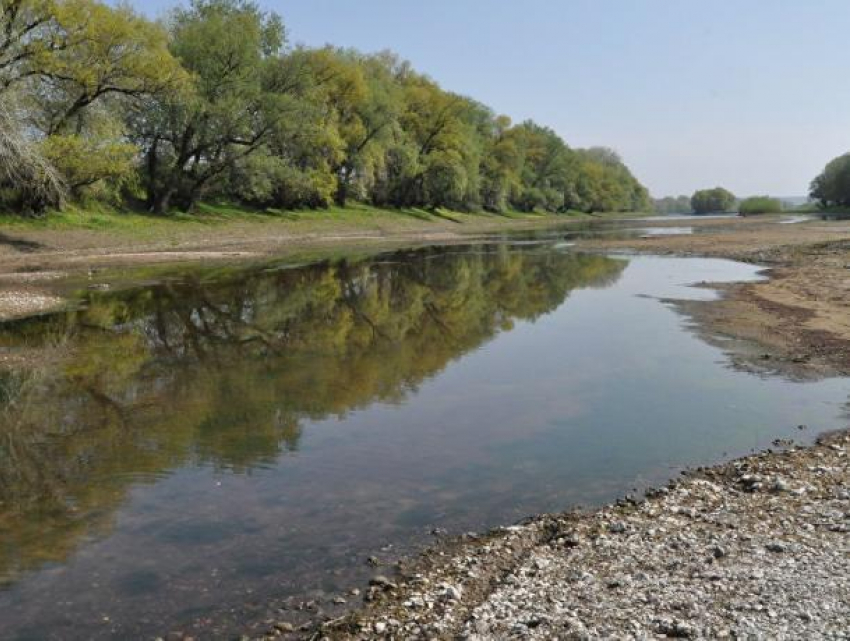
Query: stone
x=380, y=581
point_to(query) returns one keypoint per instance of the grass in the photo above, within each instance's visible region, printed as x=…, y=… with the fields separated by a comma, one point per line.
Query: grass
x=357, y=215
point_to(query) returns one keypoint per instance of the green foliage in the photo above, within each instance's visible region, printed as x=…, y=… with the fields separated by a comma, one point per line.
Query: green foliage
x=192, y=137
x=759, y=205
x=113, y=54
x=100, y=164
x=672, y=205
x=832, y=186
x=212, y=104
x=707, y=201
x=70, y=69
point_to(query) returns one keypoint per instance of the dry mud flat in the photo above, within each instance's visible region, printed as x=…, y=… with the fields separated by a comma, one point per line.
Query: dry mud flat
x=757, y=548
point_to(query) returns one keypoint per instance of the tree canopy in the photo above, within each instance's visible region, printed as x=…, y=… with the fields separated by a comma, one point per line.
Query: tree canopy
x=213, y=103
x=707, y=201
x=760, y=205
x=672, y=205
x=832, y=186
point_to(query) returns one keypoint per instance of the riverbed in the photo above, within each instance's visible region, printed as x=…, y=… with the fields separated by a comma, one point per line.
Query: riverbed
x=203, y=449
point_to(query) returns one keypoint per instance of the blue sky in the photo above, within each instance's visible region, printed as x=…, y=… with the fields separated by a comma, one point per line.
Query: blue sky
x=752, y=95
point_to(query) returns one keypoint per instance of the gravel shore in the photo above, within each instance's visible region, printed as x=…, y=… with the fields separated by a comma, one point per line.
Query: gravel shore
x=757, y=548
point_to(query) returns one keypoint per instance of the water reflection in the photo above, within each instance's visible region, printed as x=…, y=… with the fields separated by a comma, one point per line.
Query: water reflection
x=190, y=454
x=223, y=372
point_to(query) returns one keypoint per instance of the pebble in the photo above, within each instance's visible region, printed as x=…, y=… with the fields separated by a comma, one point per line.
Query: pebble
x=702, y=558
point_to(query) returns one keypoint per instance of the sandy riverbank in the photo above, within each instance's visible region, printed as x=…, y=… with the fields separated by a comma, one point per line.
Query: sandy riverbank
x=796, y=322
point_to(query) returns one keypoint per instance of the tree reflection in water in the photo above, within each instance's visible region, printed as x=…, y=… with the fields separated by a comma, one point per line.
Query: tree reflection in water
x=222, y=371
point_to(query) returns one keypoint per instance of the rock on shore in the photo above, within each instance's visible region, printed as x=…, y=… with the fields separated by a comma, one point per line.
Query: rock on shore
x=757, y=548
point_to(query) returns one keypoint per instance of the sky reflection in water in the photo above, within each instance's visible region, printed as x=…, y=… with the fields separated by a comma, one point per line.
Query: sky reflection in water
x=215, y=441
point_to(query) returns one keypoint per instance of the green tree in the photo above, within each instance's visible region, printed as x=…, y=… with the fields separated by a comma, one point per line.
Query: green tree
x=832, y=186
x=431, y=161
x=234, y=53
x=759, y=205
x=499, y=166
x=69, y=67
x=211, y=104
x=365, y=104
x=113, y=53
x=672, y=205
x=718, y=199
x=30, y=36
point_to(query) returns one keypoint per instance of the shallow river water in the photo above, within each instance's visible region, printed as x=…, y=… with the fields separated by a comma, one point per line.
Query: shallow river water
x=183, y=454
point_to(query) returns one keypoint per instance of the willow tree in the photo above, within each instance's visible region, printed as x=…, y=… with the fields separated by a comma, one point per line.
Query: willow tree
x=71, y=67
x=832, y=186
x=37, y=183
x=28, y=36
x=366, y=104
x=232, y=51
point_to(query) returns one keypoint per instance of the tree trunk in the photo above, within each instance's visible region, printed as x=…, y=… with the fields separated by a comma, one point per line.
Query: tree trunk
x=152, y=168
x=342, y=187
x=161, y=200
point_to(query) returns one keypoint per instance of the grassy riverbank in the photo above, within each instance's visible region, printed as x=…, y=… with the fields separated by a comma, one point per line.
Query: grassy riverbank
x=37, y=253
x=105, y=218
x=85, y=238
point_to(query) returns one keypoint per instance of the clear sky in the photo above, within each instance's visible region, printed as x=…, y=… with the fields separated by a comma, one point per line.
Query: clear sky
x=752, y=95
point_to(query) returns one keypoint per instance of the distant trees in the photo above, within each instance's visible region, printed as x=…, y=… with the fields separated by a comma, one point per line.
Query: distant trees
x=832, y=186
x=759, y=205
x=707, y=201
x=102, y=104
x=672, y=205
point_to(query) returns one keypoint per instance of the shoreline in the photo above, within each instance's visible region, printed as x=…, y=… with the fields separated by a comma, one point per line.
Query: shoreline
x=757, y=545
x=481, y=587
x=36, y=264
x=796, y=322
x=791, y=324
x=753, y=546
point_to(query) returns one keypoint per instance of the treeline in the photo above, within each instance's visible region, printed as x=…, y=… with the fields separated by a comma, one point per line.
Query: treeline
x=760, y=205
x=714, y=200
x=672, y=205
x=98, y=103
x=717, y=200
x=703, y=201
